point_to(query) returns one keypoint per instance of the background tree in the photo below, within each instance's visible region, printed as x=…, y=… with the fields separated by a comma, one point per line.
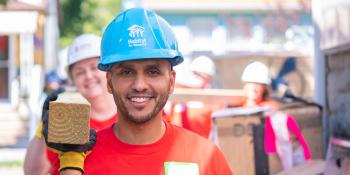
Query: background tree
x=85, y=16
x=3, y=2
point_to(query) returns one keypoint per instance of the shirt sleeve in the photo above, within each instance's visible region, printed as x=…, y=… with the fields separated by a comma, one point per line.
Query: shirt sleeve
x=270, y=146
x=293, y=126
x=222, y=166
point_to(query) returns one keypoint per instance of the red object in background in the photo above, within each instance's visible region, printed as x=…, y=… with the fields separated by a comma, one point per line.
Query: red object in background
x=3, y=43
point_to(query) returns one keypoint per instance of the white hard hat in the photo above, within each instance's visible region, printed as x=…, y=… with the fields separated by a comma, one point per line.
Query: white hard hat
x=83, y=47
x=188, y=79
x=184, y=77
x=204, y=65
x=256, y=72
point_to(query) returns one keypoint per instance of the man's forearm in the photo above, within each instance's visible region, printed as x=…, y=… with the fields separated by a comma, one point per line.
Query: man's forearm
x=35, y=162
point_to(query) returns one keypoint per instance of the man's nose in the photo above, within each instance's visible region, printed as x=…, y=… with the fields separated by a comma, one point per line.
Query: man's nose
x=140, y=84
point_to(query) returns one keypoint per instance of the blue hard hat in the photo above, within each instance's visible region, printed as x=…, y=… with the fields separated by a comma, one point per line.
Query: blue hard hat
x=52, y=76
x=136, y=34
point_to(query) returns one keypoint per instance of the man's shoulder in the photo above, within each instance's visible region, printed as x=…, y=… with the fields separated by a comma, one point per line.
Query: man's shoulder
x=104, y=140
x=105, y=132
x=187, y=135
x=194, y=145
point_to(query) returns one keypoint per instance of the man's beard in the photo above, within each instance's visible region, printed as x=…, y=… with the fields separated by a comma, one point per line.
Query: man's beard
x=122, y=110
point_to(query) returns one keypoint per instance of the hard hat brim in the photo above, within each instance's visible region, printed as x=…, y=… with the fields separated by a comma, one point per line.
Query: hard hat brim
x=173, y=57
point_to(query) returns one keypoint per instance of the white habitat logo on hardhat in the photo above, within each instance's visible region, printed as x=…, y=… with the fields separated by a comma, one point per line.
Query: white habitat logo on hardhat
x=136, y=32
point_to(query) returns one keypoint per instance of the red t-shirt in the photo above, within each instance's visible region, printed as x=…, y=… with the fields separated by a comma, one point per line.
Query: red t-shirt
x=95, y=124
x=178, y=150
x=194, y=116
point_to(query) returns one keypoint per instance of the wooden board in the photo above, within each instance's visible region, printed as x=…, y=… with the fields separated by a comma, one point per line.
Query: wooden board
x=69, y=119
x=311, y=167
x=235, y=138
x=217, y=96
x=332, y=166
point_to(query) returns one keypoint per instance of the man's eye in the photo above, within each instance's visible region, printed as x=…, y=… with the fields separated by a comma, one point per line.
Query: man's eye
x=125, y=72
x=153, y=72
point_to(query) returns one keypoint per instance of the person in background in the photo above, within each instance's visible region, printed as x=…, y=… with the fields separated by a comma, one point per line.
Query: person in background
x=256, y=78
x=139, y=51
x=83, y=56
x=52, y=82
x=203, y=67
x=194, y=115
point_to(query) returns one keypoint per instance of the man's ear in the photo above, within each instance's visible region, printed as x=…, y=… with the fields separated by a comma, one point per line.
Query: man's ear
x=109, y=82
x=172, y=81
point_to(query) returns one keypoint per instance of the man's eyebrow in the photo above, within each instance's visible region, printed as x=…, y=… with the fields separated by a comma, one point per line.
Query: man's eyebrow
x=119, y=65
x=156, y=64
x=150, y=64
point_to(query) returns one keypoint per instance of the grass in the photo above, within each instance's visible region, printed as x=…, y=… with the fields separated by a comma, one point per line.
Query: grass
x=11, y=163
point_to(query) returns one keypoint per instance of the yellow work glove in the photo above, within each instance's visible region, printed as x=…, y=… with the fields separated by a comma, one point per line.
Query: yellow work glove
x=39, y=131
x=71, y=156
x=72, y=160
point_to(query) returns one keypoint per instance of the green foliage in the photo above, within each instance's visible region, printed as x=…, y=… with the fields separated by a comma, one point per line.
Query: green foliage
x=3, y=2
x=85, y=16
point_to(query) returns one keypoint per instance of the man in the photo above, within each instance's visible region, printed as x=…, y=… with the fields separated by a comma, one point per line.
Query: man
x=83, y=56
x=139, y=51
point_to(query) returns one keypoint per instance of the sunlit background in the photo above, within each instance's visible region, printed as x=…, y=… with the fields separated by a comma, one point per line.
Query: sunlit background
x=35, y=34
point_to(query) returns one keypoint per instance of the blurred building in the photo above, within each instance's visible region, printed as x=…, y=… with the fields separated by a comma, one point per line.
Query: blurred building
x=226, y=26
x=237, y=32
x=332, y=61
x=21, y=44
x=28, y=37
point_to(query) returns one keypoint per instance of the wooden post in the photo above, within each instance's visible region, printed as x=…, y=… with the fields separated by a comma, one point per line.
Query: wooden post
x=69, y=119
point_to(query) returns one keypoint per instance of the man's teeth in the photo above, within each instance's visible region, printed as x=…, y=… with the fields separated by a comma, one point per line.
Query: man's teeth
x=139, y=100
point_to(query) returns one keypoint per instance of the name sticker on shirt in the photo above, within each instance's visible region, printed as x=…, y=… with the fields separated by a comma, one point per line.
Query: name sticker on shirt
x=181, y=168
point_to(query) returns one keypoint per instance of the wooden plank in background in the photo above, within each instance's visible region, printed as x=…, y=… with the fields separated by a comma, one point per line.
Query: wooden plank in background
x=235, y=138
x=311, y=167
x=218, y=96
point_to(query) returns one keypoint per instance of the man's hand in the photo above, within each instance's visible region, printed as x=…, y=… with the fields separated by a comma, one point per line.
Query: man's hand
x=71, y=156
